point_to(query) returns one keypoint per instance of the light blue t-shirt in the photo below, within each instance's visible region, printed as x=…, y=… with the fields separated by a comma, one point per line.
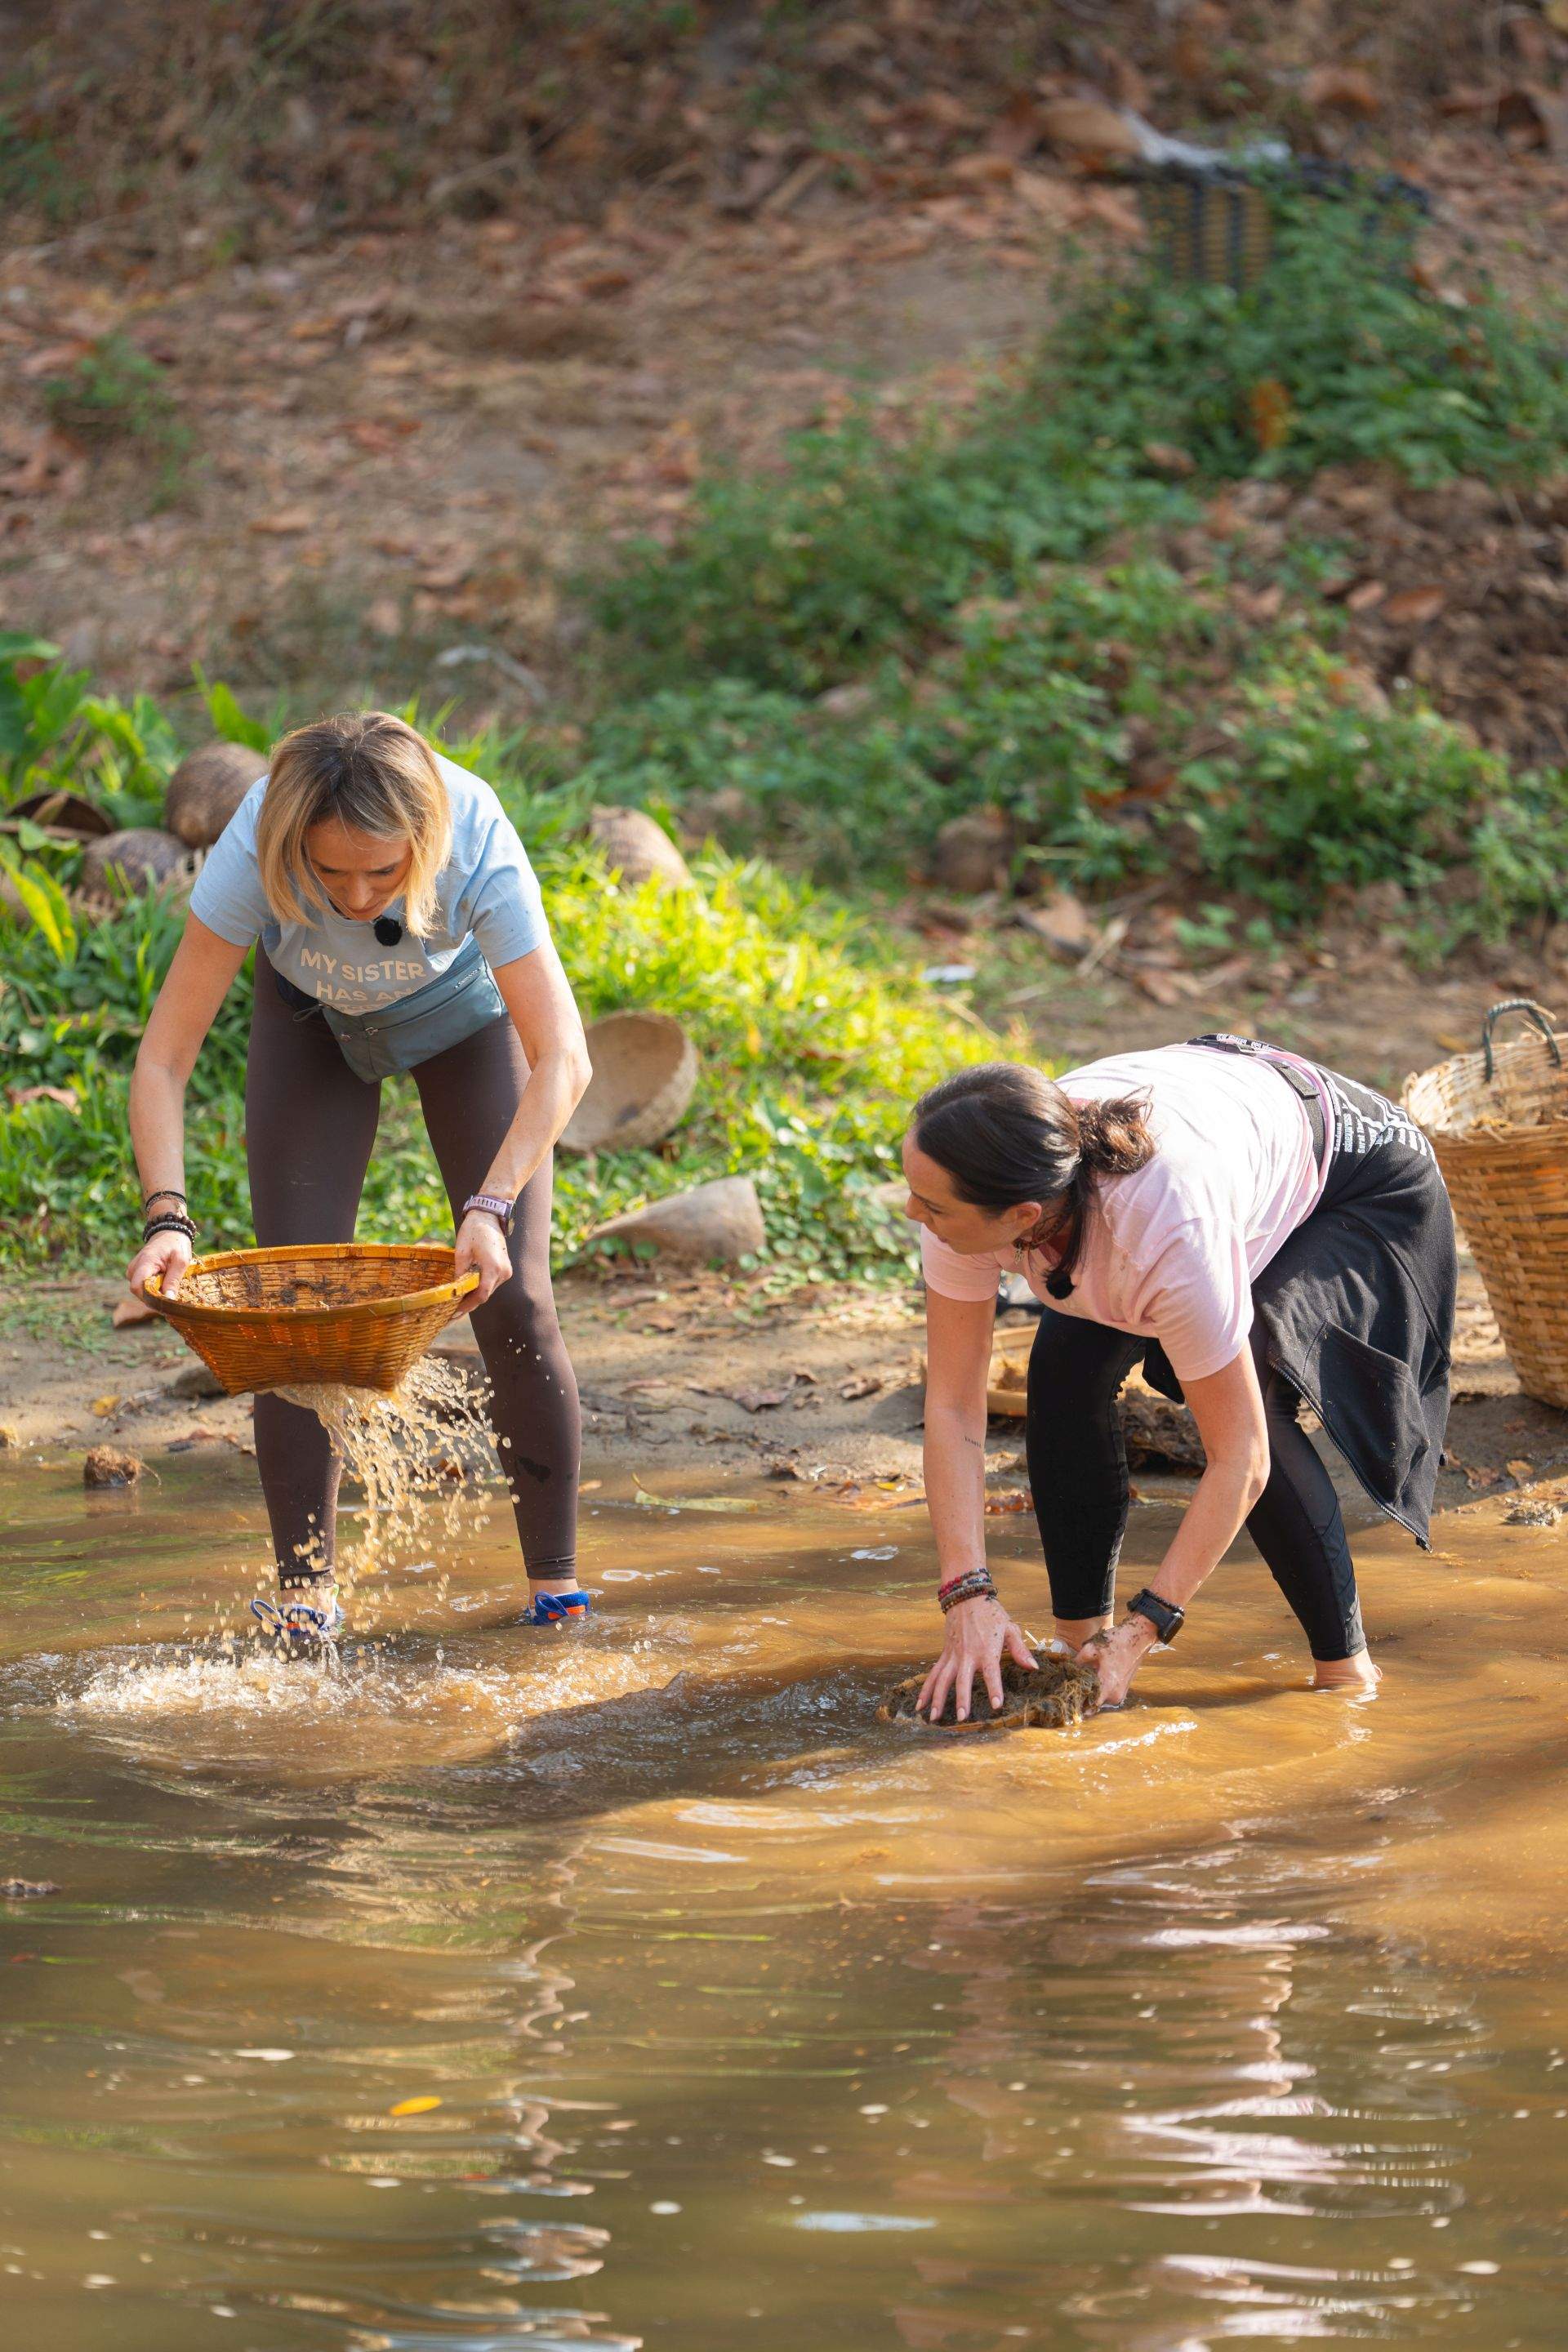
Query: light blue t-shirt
x=487, y=891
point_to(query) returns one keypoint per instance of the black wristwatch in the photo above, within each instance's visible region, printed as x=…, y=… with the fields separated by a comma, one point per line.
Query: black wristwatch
x=1164, y=1615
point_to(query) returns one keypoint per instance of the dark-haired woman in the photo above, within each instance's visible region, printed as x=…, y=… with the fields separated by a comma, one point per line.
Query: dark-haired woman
x=1257, y=1231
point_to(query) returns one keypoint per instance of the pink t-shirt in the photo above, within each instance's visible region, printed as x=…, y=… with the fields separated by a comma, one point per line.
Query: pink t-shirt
x=1170, y=1252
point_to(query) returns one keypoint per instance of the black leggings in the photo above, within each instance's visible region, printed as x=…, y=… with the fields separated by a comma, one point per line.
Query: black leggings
x=309, y=1127
x=1078, y=1470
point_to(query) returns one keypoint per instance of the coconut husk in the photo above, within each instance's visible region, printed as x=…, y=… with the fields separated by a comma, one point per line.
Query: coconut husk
x=644, y=1072
x=62, y=812
x=636, y=849
x=142, y=859
x=206, y=788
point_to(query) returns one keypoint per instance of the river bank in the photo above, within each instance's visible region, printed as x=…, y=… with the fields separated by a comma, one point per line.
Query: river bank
x=697, y=1380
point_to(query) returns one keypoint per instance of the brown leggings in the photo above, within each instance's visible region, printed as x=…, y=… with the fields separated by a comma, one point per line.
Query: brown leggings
x=309, y=1127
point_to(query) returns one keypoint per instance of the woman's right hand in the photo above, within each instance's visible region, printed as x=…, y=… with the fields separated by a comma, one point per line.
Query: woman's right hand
x=167, y=1255
x=980, y=1633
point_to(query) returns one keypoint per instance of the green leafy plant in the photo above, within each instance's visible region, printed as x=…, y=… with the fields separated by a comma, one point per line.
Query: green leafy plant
x=1338, y=353
x=814, y=1041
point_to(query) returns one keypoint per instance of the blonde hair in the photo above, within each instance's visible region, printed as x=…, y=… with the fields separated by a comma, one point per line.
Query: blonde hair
x=374, y=774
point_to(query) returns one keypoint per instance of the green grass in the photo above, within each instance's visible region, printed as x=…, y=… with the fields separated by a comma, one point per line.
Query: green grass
x=114, y=395
x=996, y=592
x=1339, y=354
x=814, y=1041
x=993, y=594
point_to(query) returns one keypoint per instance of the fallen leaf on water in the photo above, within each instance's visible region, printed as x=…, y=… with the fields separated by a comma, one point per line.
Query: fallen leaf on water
x=696, y=1502
x=413, y=2106
x=104, y=1405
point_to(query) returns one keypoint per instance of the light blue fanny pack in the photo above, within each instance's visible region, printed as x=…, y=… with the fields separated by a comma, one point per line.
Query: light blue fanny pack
x=400, y=1035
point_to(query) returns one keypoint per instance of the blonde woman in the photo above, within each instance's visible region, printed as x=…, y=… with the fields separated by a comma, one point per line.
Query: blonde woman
x=400, y=927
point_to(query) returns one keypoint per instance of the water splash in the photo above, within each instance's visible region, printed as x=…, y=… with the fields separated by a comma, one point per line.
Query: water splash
x=417, y=1451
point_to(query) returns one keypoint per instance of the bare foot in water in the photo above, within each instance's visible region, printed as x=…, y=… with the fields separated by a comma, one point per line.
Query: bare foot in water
x=1358, y=1675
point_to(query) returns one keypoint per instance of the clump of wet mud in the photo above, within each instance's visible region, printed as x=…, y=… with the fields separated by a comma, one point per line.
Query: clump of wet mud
x=1054, y=1692
x=110, y=1465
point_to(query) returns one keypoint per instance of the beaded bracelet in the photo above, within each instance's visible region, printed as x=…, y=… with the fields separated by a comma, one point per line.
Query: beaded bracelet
x=976, y=1587
x=168, y=1223
x=163, y=1192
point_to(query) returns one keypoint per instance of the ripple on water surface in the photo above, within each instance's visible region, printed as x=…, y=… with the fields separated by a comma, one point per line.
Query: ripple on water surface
x=639, y=1988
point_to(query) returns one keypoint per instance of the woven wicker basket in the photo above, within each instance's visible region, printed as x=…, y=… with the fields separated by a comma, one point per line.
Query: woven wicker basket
x=1498, y=1120
x=358, y=1313
x=1219, y=227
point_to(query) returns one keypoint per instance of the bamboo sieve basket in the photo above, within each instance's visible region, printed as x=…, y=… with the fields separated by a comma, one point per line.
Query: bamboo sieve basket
x=356, y=1313
x=1498, y=1120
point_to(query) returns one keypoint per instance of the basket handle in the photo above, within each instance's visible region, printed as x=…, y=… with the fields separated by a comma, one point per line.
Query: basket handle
x=1535, y=1014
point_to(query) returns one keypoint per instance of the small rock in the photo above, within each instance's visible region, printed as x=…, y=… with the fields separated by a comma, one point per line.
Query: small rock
x=197, y=1379
x=972, y=851
x=636, y=849
x=105, y=1465
x=723, y=1220
x=23, y=1890
x=1533, y=1515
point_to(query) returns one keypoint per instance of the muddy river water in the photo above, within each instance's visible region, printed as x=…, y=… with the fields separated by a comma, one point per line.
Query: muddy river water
x=520, y=1990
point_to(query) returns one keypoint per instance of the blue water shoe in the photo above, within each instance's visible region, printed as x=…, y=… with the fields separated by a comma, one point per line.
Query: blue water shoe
x=556, y=1609
x=301, y=1629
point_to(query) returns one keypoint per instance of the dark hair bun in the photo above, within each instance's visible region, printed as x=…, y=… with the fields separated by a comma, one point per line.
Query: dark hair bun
x=1112, y=1138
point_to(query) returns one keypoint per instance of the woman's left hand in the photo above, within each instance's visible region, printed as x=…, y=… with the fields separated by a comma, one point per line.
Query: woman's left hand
x=482, y=1249
x=1116, y=1658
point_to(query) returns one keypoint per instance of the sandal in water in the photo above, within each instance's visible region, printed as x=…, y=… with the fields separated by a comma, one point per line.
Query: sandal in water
x=556, y=1609
x=301, y=1629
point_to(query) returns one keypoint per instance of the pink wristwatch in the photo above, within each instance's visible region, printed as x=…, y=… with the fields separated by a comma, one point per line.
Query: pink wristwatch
x=494, y=1206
